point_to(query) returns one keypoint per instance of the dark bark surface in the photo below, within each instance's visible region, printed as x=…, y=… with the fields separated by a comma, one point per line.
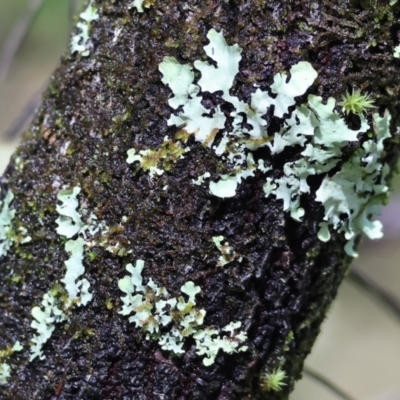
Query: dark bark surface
x=114, y=100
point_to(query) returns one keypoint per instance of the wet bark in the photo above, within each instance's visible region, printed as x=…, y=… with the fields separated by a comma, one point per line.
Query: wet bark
x=98, y=107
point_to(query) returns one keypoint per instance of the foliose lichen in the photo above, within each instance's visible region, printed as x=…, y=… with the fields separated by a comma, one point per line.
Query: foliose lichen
x=77, y=289
x=139, y=4
x=45, y=318
x=200, y=180
x=227, y=253
x=170, y=320
x=5, y=355
x=70, y=224
x=69, y=221
x=5, y=373
x=314, y=127
x=6, y=217
x=396, y=53
x=8, y=233
x=249, y=128
x=80, y=42
x=80, y=234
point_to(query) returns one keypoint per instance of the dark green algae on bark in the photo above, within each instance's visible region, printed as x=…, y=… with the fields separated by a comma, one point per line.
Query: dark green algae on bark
x=98, y=107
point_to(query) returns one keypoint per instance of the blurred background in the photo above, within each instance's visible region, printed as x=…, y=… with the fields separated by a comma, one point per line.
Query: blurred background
x=358, y=352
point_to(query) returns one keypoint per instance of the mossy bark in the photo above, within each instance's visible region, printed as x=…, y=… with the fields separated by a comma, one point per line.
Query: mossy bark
x=97, y=108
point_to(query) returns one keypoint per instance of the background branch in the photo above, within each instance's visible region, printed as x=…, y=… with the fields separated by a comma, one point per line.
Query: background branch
x=327, y=384
x=17, y=35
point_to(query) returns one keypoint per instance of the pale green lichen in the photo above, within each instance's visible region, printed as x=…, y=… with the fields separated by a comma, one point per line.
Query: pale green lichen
x=326, y=135
x=205, y=124
x=200, y=180
x=228, y=184
x=77, y=289
x=6, y=217
x=144, y=157
x=179, y=78
x=69, y=221
x=8, y=233
x=209, y=342
x=358, y=189
x=295, y=130
x=396, y=53
x=5, y=373
x=80, y=42
x=221, y=77
x=228, y=255
x=315, y=128
x=17, y=347
x=225, y=187
x=139, y=4
x=24, y=238
x=45, y=318
x=5, y=355
x=171, y=320
x=302, y=77
x=71, y=226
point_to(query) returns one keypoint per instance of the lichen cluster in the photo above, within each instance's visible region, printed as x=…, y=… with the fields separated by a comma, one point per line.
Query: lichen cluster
x=79, y=234
x=70, y=224
x=6, y=217
x=5, y=355
x=172, y=320
x=8, y=233
x=396, y=53
x=141, y=4
x=227, y=253
x=44, y=319
x=315, y=130
x=80, y=42
x=249, y=129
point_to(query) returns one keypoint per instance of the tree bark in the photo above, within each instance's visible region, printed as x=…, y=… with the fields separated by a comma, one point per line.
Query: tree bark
x=101, y=105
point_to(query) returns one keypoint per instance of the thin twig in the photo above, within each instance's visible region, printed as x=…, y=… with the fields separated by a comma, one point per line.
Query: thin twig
x=25, y=116
x=17, y=36
x=327, y=384
x=370, y=286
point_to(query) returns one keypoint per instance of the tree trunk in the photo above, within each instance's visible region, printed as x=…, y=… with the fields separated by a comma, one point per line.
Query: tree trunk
x=262, y=270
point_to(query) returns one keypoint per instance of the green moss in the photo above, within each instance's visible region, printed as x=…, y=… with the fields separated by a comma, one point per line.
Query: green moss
x=356, y=103
x=16, y=278
x=273, y=381
x=162, y=159
x=288, y=341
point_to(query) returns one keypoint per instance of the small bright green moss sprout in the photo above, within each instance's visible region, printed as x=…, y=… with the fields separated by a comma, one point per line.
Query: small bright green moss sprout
x=92, y=255
x=356, y=102
x=16, y=278
x=273, y=381
x=109, y=304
